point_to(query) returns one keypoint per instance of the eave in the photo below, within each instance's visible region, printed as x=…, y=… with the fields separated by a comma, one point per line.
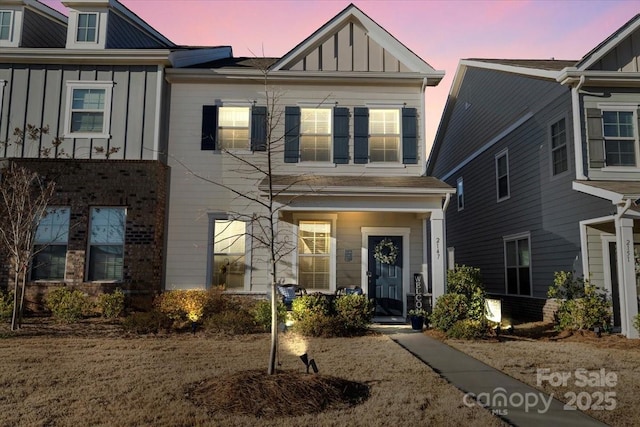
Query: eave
x=572, y=76
x=210, y=75
x=68, y=56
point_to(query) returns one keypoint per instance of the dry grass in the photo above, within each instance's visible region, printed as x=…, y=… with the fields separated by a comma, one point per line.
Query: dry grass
x=535, y=347
x=91, y=374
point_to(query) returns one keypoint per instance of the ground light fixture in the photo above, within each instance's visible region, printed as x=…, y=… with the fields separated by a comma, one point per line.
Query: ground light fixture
x=309, y=363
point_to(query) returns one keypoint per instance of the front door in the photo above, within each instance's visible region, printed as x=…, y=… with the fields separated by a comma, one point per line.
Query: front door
x=385, y=274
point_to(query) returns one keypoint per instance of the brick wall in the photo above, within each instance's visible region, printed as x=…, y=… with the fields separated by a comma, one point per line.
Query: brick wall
x=141, y=187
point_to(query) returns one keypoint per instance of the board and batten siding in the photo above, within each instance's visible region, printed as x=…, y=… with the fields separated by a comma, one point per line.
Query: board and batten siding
x=625, y=56
x=487, y=104
x=192, y=199
x=36, y=95
x=540, y=204
x=38, y=31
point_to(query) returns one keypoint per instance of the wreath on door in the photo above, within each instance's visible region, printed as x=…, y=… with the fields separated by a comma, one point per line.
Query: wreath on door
x=386, y=252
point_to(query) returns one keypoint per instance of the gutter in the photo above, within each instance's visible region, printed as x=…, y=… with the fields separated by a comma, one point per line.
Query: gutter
x=423, y=125
x=577, y=129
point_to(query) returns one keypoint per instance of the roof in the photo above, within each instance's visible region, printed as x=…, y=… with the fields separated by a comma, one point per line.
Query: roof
x=616, y=191
x=358, y=184
x=609, y=43
x=538, y=64
x=240, y=62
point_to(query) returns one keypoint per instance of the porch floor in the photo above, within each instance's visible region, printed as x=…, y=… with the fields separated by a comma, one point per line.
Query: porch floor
x=389, y=320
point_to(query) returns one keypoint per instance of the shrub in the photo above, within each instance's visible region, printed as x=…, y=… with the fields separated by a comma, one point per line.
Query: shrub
x=183, y=305
x=148, y=322
x=468, y=329
x=466, y=281
x=6, y=304
x=111, y=305
x=355, y=311
x=233, y=322
x=636, y=322
x=566, y=286
x=317, y=324
x=586, y=312
x=66, y=305
x=262, y=314
x=448, y=310
x=310, y=304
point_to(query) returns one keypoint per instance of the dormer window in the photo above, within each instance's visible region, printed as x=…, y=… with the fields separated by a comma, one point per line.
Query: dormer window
x=87, y=28
x=6, y=25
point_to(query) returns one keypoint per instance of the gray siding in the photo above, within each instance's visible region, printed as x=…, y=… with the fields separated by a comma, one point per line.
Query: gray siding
x=624, y=57
x=542, y=205
x=40, y=31
x=488, y=102
x=122, y=34
x=36, y=95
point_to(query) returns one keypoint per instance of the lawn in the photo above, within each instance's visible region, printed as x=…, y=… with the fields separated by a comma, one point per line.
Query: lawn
x=607, y=385
x=91, y=373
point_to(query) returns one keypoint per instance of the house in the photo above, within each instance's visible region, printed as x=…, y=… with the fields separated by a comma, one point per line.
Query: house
x=333, y=134
x=545, y=157
x=95, y=80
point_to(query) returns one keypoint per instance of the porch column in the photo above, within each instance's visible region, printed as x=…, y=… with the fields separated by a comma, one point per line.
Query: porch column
x=626, y=276
x=437, y=254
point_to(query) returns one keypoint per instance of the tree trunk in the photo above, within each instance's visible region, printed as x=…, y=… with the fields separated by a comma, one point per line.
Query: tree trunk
x=14, y=315
x=274, y=320
x=22, y=292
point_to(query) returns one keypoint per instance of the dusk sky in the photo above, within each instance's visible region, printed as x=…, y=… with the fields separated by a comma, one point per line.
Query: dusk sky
x=440, y=32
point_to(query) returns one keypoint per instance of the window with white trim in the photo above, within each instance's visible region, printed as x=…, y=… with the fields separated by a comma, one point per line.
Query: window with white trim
x=229, y=253
x=314, y=254
x=315, y=134
x=6, y=25
x=620, y=137
x=87, y=30
x=50, y=245
x=517, y=260
x=502, y=175
x=460, y=193
x=88, y=109
x=559, y=151
x=384, y=135
x=106, y=243
x=233, y=128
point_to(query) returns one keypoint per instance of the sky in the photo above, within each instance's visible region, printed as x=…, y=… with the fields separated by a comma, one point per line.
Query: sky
x=440, y=32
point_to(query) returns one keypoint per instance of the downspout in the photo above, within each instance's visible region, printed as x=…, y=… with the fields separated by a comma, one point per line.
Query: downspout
x=445, y=251
x=577, y=129
x=423, y=126
x=159, y=108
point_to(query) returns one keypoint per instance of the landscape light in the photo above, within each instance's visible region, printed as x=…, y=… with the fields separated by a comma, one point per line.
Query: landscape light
x=309, y=363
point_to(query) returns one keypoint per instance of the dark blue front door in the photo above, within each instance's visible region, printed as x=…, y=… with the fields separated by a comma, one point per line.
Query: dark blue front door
x=385, y=278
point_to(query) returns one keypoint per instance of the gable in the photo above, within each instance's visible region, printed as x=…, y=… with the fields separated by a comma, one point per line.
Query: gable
x=353, y=42
x=348, y=48
x=619, y=52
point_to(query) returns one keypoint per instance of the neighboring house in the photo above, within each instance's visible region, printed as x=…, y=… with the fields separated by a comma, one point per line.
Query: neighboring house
x=96, y=81
x=545, y=156
x=348, y=152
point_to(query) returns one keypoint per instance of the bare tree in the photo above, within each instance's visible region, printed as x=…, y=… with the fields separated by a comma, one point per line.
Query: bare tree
x=24, y=197
x=265, y=201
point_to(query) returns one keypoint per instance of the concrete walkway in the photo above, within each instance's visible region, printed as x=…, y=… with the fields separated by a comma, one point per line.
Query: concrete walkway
x=512, y=400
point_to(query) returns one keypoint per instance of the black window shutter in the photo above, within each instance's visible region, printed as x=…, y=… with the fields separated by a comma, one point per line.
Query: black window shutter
x=291, y=134
x=360, y=135
x=209, y=127
x=259, y=128
x=595, y=138
x=409, y=136
x=341, y=135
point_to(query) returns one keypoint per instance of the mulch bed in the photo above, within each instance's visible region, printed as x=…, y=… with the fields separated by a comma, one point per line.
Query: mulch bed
x=284, y=393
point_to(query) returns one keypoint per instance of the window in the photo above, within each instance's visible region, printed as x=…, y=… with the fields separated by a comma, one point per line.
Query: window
x=517, y=252
x=384, y=135
x=314, y=257
x=233, y=128
x=87, y=27
x=50, y=245
x=502, y=175
x=229, y=253
x=619, y=138
x=460, y=194
x=6, y=25
x=559, y=154
x=315, y=134
x=106, y=243
x=88, y=109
